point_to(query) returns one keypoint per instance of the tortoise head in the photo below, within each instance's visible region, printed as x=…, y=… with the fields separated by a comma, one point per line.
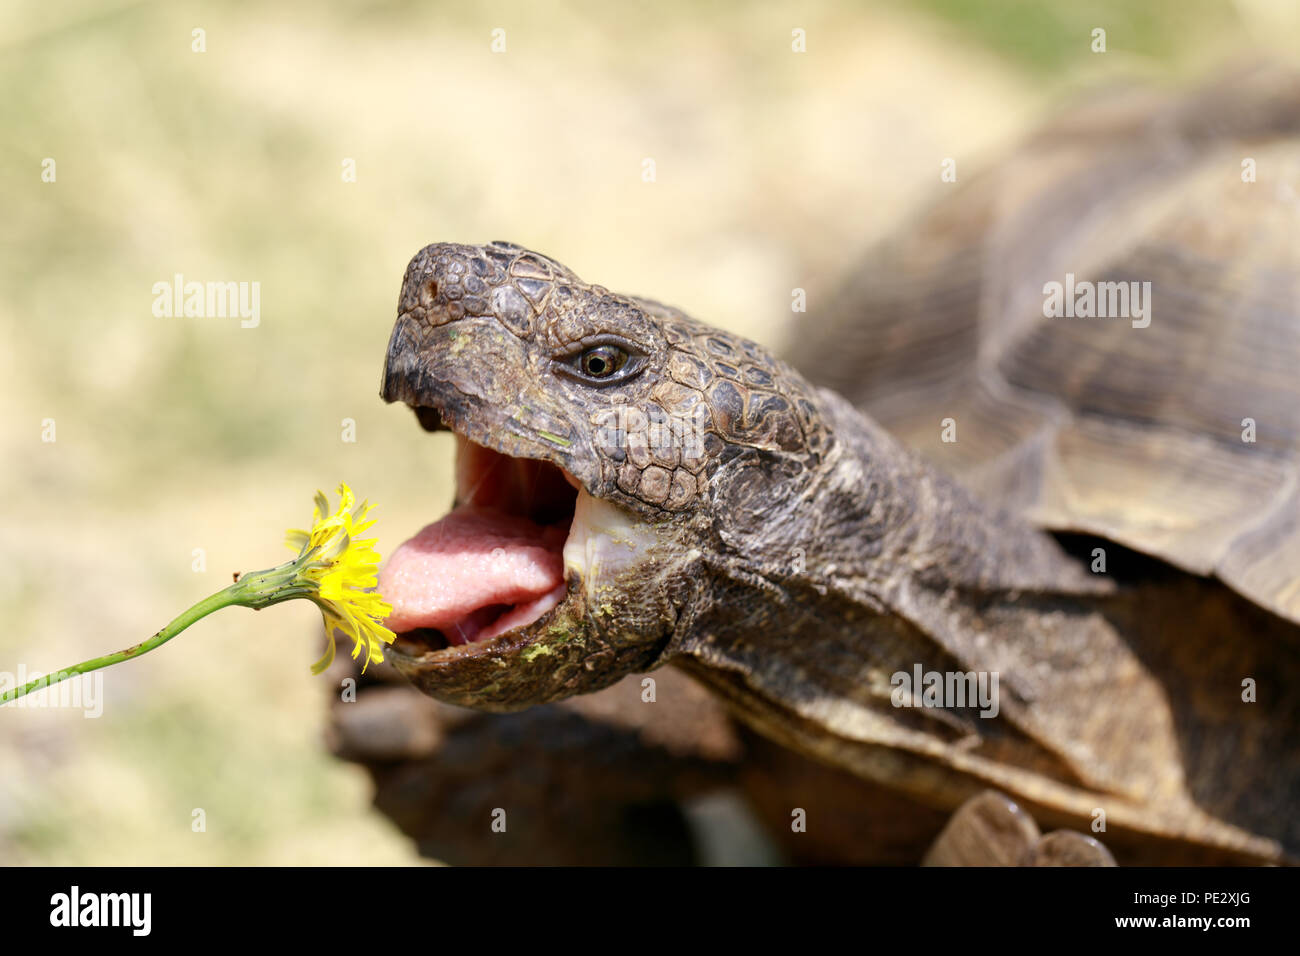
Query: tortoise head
x=612, y=455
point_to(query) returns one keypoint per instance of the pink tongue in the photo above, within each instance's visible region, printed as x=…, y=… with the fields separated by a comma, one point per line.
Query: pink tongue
x=459, y=574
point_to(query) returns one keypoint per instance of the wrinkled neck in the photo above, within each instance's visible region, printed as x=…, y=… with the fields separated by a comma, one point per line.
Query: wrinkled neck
x=922, y=531
x=880, y=565
x=876, y=553
x=879, y=526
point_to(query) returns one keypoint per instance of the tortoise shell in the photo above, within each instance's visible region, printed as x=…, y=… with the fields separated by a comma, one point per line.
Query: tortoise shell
x=1175, y=432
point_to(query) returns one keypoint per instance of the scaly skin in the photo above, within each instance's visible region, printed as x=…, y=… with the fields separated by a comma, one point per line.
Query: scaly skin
x=792, y=556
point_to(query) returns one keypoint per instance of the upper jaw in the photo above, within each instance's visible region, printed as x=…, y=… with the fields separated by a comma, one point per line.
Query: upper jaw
x=472, y=378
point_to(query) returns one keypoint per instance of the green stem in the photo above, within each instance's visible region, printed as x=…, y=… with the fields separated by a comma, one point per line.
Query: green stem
x=235, y=594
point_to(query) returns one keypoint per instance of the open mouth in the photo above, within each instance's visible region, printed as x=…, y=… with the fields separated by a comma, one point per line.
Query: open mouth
x=494, y=564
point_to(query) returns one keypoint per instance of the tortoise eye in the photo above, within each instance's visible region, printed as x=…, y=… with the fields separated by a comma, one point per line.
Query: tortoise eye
x=606, y=361
x=602, y=361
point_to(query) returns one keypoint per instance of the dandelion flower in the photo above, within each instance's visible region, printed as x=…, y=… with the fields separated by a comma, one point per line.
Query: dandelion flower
x=344, y=572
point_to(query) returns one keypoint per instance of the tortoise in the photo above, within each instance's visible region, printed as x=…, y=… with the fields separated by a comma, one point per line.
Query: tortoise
x=944, y=488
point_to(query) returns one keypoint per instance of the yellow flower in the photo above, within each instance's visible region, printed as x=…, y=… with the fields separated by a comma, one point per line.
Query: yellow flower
x=333, y=568
x=341, y=574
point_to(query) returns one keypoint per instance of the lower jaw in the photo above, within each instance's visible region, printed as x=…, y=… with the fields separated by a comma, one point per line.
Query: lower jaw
x=517, y=669
x=480, y=629
x=525, y=507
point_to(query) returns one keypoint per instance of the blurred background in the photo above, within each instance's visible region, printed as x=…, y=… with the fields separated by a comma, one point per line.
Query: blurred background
x=772, y=169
